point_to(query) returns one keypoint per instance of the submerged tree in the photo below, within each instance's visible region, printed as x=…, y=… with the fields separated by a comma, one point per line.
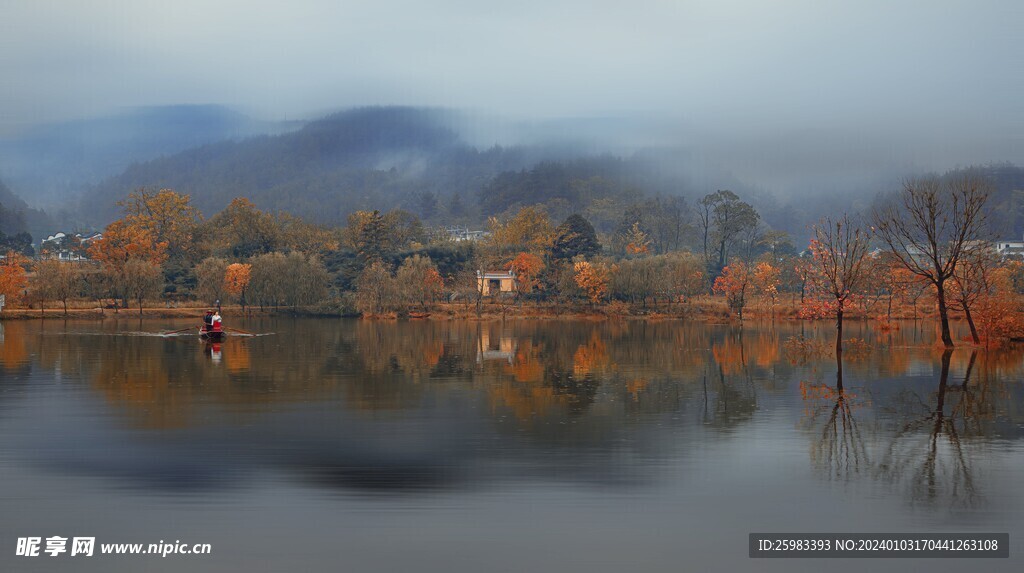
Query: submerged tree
x=936, y=225
x=839, y=250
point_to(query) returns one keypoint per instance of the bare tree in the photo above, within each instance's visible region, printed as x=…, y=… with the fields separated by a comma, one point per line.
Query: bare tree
x=972, y=279
x=840, y=248
x=937, y=224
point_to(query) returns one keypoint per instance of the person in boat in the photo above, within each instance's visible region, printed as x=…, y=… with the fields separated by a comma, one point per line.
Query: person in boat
x=208, y=321
x=215, y=322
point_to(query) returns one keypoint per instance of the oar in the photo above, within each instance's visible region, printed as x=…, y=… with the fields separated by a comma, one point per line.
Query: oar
x=240, y=330
x=177, y=331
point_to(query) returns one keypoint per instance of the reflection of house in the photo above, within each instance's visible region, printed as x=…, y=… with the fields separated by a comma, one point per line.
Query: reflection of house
x=496, y=348
x=491, y=283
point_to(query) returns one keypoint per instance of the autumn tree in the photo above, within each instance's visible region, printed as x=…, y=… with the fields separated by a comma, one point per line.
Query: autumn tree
x=997, y=312
x=13, y=280
x=766, y=281
x=972, y=280
x=210, y=279
x=839, y=249
x=241, y=231
x=685, y=276
x=236, y=281
x=418, y=281
x=529, y=229
x=291, y=280
x=376, y=291
x=168, y=216
x=592, y=278
x=936, y=224
x=631, y=230
x=56, y=280
x=265, y=285
x=307, y=238
x=637, y=241
x=141, y=279
x=636, y=280
x=122, y=243
x=734, y=284
x=527, y=269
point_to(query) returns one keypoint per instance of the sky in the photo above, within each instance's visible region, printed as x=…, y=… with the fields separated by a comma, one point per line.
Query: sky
x=942, y=76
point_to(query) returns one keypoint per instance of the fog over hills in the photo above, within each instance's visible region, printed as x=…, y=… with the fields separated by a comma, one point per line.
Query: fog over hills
x=458, y=167
x=49, y=163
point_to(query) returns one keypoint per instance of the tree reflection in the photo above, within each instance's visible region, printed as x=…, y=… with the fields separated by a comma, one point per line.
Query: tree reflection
x=928, y=450
x=840, y=449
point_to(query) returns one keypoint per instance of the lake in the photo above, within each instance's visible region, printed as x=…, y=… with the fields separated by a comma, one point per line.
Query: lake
x=347, y=445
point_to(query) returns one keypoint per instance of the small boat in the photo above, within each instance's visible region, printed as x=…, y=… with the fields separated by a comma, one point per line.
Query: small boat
x=212, y=335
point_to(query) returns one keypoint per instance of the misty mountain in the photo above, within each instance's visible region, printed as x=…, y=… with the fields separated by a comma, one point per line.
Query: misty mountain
x=17, y=217
x=47, y=164
x=368, y=158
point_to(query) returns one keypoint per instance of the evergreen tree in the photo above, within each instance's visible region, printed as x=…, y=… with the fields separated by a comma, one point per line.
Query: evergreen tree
x=574, y=237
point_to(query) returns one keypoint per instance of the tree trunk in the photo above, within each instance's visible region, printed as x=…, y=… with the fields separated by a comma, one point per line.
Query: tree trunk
x=947, y=339
x=970, y=322
x=140, y=307
x=839, y=330
x=65, y=307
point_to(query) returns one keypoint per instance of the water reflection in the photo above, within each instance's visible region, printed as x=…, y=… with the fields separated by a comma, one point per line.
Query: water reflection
x=406, y=406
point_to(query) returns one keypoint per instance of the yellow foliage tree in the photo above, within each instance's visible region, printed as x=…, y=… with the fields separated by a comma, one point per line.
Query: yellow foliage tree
x=593, y=279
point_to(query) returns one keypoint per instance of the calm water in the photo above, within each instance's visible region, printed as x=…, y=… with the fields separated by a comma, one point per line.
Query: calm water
x=525, y=446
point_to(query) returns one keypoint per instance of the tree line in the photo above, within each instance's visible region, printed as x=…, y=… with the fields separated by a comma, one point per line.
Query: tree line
x=929, y=241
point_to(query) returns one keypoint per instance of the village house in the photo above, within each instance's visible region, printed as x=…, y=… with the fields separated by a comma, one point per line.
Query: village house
x=1010, y=248
x=493, y=283
x=460, y=234
x=65, y=247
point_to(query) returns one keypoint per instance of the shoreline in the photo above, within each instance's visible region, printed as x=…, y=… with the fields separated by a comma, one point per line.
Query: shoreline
x=708, y=311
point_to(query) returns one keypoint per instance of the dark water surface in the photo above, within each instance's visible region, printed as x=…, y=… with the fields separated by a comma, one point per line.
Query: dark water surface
x=524, y=446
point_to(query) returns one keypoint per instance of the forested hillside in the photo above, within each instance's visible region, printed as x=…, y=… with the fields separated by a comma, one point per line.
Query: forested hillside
x=365, y=158
x=415, y=159
x=50, y=163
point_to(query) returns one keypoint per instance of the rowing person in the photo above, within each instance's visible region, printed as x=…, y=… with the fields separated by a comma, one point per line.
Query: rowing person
x=208, y=321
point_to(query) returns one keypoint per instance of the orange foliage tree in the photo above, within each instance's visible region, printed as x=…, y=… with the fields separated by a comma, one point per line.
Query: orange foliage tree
x=527, y=268
x=997, y=314
x=733, y=283
x=637, y=241
x=168, y=216
x=593, y=279
x=13, y=280
x=123, y=242
x=766, y=281
x=236, y=281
